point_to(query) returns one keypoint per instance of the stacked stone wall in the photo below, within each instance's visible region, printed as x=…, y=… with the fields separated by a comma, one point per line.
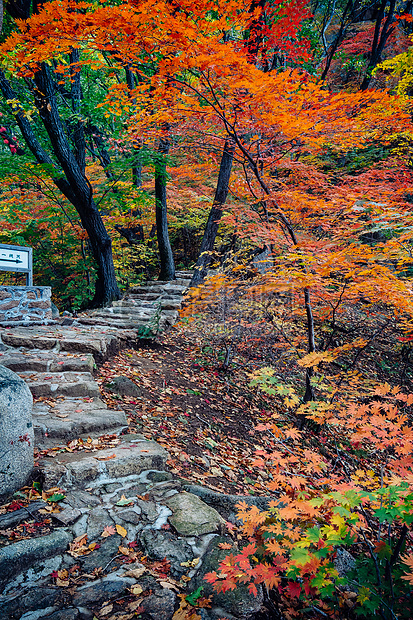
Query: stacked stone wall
x=25, y=305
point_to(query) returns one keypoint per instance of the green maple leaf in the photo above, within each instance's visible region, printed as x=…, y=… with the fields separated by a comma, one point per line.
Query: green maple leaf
x=56, y=497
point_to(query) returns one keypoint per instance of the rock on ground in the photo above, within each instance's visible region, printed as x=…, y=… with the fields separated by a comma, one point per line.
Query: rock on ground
x=16, y=433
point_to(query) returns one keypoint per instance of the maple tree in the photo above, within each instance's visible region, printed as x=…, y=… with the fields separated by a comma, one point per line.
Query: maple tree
x=318, y=177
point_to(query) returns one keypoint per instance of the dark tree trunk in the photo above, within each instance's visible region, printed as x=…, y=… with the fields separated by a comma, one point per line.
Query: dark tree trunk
x=211, y=228
x=352, y=13
x=164, y=245
x=106, y=287
x=72, y=183
x=381, y=35
x=19, y=9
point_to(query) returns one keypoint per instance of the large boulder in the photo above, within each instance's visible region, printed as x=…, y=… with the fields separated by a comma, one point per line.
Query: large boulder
x=191, y=516
x=124, y=387
x=16, y=433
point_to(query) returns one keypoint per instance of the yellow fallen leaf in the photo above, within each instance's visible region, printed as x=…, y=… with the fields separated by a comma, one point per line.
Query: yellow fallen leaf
x=106, y=610
x=63, y=583
x=135, y=572
x=168, y=585
x=121, y=530
x=135, y=604
x=215, y=471
x=136, y=589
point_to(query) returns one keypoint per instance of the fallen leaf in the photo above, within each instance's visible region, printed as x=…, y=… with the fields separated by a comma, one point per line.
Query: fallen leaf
x=106, y=610
x=135, y=572
x=136, y=589
x=109, y=530
x=168, y=585
x=124, y=501
x=134, y=605
x=191, y=563
x=121, y=530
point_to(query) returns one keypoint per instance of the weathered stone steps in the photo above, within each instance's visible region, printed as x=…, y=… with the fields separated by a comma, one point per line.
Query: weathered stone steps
x=61, y=384
x=41, y=361
x=161, y=519
x=133, y=456
x=57, y=339
x=70, y=418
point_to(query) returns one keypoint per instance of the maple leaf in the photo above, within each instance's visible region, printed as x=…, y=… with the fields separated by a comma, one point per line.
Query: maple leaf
x=408, y=560
x=121, y=530
x=108, y=530
x=293, y=589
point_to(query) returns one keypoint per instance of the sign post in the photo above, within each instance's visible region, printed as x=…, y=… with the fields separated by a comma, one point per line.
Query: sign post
x=17, y=258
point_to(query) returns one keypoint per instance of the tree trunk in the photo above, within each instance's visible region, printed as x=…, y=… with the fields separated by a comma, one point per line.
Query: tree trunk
x=106, y=287
x=211, y=228
x=72, y=183
x=381, y=35
x=164, y=245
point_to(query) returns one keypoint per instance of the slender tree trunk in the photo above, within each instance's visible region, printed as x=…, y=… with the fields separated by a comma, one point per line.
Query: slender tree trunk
x=379, y=39
x=164, y=244
x=211, y=228
x=73, y=183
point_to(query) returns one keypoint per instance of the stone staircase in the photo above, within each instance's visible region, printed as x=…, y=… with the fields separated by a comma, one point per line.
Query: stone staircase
x=67, y=398
x=111, y=480
x=152, y=307
x=57, y=361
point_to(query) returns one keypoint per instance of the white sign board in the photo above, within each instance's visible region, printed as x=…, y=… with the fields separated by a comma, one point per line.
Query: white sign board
x=17, y=258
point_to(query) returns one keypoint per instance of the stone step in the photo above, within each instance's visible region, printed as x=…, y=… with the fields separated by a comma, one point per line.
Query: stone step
x=112, y=322
x=134, y=303
x=71, y=418
x=164, y=289
x=145, y=289
x=173, y=303
x=80, y=340
x=133, y=312
x=86, y=470
x=78, y=384
x=144, y=297
x=41, y=361
x=170, y=314
x=185, y=273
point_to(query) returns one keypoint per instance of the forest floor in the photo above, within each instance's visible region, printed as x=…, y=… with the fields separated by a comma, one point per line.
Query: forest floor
x=205, y=416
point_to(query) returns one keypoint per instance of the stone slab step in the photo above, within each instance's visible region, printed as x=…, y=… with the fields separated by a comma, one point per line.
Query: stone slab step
x=151, y=288
x=80, y=340
x=144, y=297
x=134, y=303
x=137, y=311
x=171, y=304
x=41, y=361
x=170, y=314
x=146, y=289
x=74, y=418
x=111, y=322
x=14, y=559
x=83, y=469
x=185, y=273
x=78, y=384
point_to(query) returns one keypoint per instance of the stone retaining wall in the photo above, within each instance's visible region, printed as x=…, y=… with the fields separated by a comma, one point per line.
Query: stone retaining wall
x=25, y=305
